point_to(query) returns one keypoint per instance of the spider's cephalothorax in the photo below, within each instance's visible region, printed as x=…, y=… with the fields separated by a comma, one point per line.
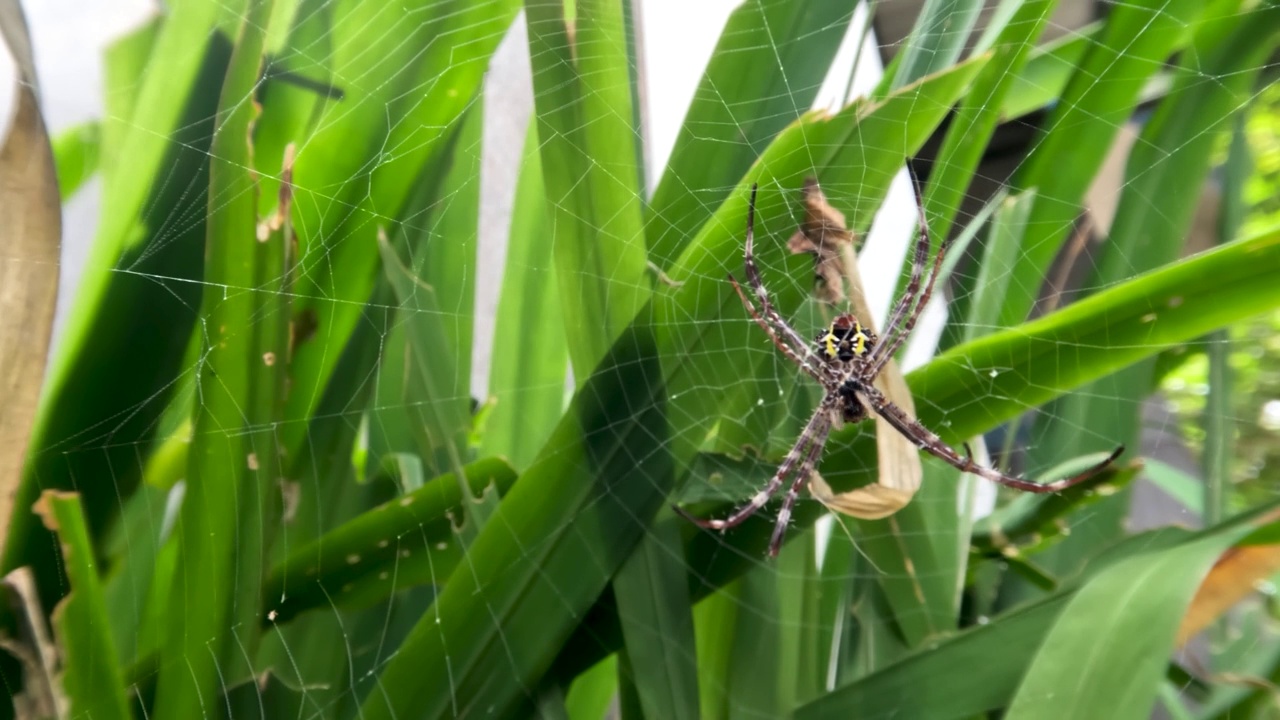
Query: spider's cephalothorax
x=846, y=359
x=845, y=339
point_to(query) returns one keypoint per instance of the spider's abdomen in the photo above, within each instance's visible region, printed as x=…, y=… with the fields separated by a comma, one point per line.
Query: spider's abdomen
x=845, y=339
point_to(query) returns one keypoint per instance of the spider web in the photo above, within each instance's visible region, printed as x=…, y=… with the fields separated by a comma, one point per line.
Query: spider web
x=327, y=656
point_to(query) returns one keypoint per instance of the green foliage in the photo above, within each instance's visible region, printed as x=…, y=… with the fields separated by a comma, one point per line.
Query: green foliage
x=278, y=494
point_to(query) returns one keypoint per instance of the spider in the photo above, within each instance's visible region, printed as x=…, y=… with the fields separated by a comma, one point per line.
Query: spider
x=845, y=359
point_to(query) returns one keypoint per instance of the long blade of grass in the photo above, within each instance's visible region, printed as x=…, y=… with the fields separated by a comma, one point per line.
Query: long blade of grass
x=591, y=169
x=936, y=40
x=406, y=541
x=978, y=113
x=76, y=153
x=224, y=531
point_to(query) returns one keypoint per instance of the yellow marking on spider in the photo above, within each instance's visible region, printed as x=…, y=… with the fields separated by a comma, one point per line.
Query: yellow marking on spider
x=830, y=340
x=860, y=340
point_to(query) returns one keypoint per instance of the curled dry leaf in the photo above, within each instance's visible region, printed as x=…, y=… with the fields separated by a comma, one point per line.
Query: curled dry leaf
x=29, y=237
x=825, y=234
x=41, y=694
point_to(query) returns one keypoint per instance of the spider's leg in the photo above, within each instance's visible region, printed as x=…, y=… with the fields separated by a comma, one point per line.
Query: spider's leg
x=900, y=308
x=759, y=500
x=887, y=348
x=932, y=444
x=820, y=420
x=806, y=469
x=803, y=357
x=757, y=283
x=900, y=337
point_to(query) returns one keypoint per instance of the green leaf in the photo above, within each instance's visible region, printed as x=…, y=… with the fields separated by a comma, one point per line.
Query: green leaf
x=224, y=532
x=591, y=170
x=927, y=683
x=994, y=271
x=936, y=40
x=1136, y=605
x=1024, y=367
x=355, y=169
x=421, y=371
x=530, y=362
x=126, y=333
x=124, y=62
x=91, y=671
x=1031, y=519
x=764, y=73
x=1047, y=72
x=652, y=595
x=75, y=151
x=1072, y=144
x=405, y=541
x=591, y=692
x=974, y=123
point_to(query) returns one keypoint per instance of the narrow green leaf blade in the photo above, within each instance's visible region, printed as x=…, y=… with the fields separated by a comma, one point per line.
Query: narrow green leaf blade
x=978, y=113
x=126, y=333
x=591, y=170
x=652, y=594
x=223, y=531
x=92, y=676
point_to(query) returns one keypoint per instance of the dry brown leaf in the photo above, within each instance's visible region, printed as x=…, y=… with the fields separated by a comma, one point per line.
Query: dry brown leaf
x=29, y=254
x=824, y=234
x=1233, y=578
x=41, y=695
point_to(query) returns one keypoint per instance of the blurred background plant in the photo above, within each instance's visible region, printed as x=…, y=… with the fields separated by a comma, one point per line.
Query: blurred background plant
x=311, y=446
